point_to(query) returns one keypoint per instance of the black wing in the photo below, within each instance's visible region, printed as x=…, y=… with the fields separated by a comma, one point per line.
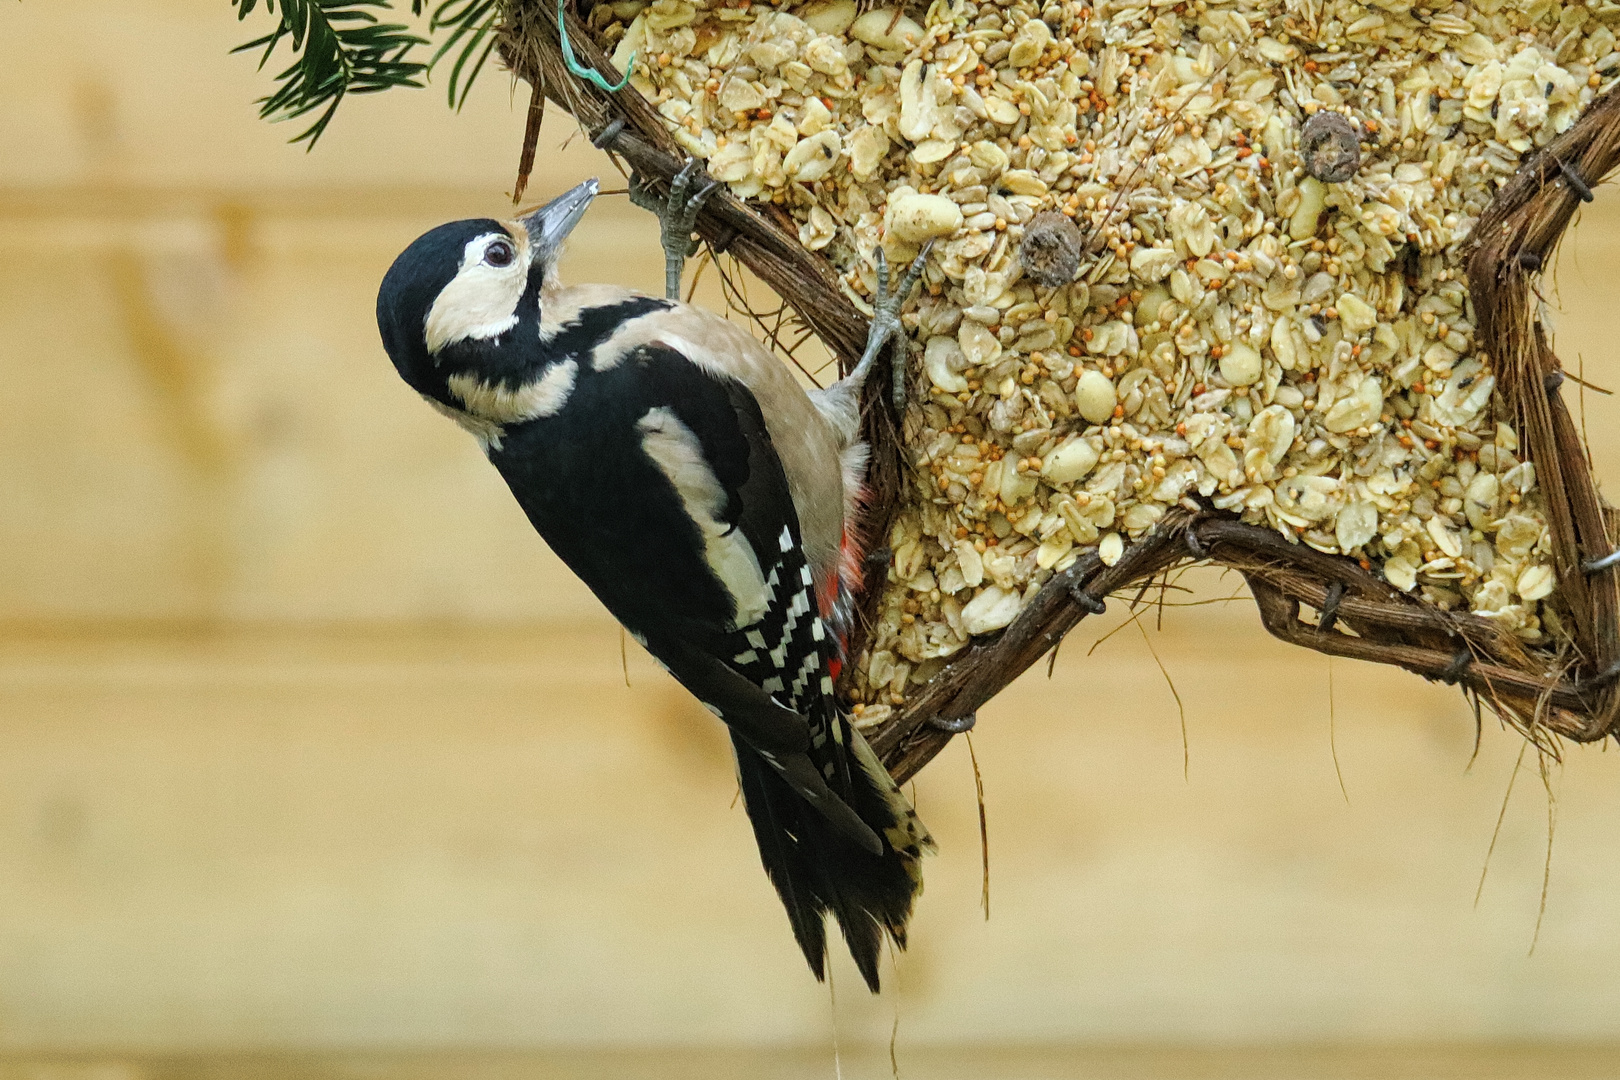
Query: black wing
x=615, y=515
x=785, y=652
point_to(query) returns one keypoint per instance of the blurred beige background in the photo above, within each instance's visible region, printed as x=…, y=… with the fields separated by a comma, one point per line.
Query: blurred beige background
x=308, y=747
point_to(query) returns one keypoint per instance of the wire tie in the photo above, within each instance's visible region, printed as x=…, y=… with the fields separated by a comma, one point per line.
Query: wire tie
x=590, y=75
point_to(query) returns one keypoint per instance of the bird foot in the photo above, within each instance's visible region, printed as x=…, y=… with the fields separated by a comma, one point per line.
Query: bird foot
x=677, y=214
x=886, y=308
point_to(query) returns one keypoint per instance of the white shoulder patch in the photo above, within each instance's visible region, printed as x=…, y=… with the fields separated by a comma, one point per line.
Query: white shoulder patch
x=481, y=300
x=679, y=456
x=641, y=330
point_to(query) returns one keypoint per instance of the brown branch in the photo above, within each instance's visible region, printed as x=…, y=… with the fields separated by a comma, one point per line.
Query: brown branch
x=985, y=667
x=1450, y=647
x=1515, y=238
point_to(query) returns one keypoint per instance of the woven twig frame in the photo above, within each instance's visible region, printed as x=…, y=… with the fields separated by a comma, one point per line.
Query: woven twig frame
x=1357, y=613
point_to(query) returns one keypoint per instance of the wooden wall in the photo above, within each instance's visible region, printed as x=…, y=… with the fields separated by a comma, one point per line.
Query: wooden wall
x=307, y=742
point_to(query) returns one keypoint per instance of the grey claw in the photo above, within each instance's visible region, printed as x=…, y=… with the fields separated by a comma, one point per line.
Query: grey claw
x=907, y=283
x=887, y=302
x=696, y=202
x=678, y=184
x=886, y=308
x=680, y=214
x=914, y=271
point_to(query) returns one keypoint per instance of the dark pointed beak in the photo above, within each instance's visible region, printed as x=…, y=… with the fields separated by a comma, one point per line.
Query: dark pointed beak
x=550, y=225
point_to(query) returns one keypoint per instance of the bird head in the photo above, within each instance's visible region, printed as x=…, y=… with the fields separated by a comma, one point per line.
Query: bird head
x=459, y=310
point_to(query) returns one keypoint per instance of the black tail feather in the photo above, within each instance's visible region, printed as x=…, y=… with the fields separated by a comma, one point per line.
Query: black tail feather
x=818, y=869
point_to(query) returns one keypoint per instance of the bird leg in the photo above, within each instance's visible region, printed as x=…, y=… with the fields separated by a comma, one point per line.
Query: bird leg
x=689, y=189
x=886, y=308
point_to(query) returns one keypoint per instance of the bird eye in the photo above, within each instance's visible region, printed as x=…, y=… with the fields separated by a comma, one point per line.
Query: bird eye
x=499, y=253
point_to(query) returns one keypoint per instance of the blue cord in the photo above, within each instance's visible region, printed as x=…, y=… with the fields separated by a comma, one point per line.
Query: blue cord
x=588, y=74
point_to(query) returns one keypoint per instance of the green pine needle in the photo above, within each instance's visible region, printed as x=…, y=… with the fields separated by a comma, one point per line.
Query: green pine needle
x=471, y=23
x=340, y=48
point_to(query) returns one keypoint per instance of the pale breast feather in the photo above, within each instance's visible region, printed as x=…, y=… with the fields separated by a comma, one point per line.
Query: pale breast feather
x=532, y=400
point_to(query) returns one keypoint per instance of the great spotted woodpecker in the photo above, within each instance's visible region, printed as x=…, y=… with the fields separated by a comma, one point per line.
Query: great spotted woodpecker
x=679, y=469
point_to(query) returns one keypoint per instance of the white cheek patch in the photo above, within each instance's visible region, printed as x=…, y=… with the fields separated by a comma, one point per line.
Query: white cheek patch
x=677, y=453
x=481, y=300
x=499, y=404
